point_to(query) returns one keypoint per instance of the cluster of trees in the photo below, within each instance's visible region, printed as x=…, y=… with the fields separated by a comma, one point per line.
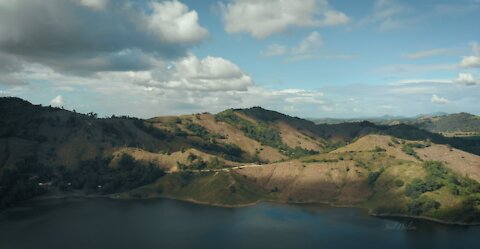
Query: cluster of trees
x=227, y=151
x=417, y=187
x=23, y=181
x=197, y=129
x=422, y=205
x=262, y=133
x=408, y=148
x=201, y=131
x=29, y=178
x=149, y=129
x=197, y=163
x=314, y=160
x=97, y=176
x=439, y=176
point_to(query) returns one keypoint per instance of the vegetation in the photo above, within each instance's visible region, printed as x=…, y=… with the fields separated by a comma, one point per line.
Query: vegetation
x=149, y=129
x=197, y=163
x=30, y=179
x=422, y=205
x=399, y=183
x=373, y=176
x=227, y=151
x=313, y=160
x=215, y=188
x=408, y=148
x=417, y=187
x=23, y=182
x=383, y=182
x=201, y=131
x=261, y=132
x=460, y=122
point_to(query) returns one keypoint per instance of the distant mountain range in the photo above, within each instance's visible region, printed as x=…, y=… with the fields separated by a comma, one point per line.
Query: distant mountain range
x=242, y=156
x=435, y=122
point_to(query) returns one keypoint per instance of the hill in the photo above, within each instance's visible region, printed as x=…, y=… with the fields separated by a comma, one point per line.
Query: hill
x=450, y=124
x=237, y=157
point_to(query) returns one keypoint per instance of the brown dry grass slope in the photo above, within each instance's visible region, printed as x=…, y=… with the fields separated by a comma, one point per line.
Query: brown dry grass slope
x=372, y=142
x=339, y=183
x=167, y=161
x=237, y=137
x=461, y=162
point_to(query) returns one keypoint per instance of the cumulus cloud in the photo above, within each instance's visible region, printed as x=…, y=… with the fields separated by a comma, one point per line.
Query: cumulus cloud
x=265, y=18
x=439, y=100
x=208, y=74
x=186, y=74
x=173, y=22
x=472, y=61
x=467, y=79
x=57, y=101
x=73, y=36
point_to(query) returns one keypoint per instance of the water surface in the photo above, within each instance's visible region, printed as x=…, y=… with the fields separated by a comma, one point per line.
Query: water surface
x=150, y=224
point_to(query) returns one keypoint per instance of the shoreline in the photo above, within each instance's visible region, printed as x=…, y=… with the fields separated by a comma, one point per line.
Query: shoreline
x=190, y=200
x=420, y=217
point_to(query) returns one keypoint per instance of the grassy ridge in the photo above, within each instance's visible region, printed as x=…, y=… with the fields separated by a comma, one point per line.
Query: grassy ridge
x=220, y=188
x=426, y=189
x=261, y=132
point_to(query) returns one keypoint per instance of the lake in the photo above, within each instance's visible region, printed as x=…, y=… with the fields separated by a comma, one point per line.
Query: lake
x=161, y=223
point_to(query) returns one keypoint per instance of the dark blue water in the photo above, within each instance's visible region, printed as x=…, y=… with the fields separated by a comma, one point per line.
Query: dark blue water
x=105, y=224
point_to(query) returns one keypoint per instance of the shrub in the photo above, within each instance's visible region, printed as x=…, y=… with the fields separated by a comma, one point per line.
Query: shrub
x=197, y=129
x=422, y=205
x=399, y=183
x=262, y=133
x=418, y=187
x=373, y=176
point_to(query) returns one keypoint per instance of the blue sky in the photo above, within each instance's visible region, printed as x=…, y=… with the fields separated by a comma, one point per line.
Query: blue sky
x=308, y=58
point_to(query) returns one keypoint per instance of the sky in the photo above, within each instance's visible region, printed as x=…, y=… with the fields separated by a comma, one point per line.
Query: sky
x=307, y=58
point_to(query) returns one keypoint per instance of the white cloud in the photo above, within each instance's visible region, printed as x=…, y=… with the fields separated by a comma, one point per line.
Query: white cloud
x=387, y=14
x=57, y=101
x=208, y=74
x=472, y=61
x=466, y=79
x=274, y=50
x=409, y=69
x=264, y=18
x=427, y=53
x=305, y=49
x=422, y=81
x=307, y=46
x=75, y=37
x=190, y=73
x=94, y=4
x=439, y=100
x=172, y=21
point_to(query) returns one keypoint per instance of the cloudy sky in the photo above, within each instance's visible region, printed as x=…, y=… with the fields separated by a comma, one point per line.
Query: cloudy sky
x=309, y=58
